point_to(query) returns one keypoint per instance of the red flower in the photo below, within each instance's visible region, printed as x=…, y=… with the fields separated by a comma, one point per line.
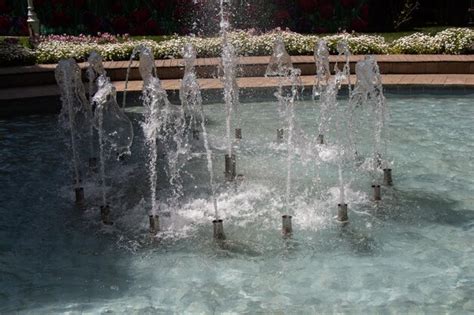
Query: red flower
x=348, y=3
x=56, y=3
x=5, y=24
x=141, y=15
x=79, y=4
x=4, y=7
x=282, y=17
x=308, y=5
x=321, y=30
x=359, y=25
x=117, y=7
x=364, y=11
x=184, y=30
x=160, y=5
x=151, y=27
x=326, y=11
x=120, y=24
x=138, y=30
x=60, y=19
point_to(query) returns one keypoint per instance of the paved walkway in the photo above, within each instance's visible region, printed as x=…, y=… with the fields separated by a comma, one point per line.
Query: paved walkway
x=17, y=83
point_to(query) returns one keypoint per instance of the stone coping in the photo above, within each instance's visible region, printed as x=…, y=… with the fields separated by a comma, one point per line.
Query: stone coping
x=254, y=60
x=388, y=80
x=249, y=67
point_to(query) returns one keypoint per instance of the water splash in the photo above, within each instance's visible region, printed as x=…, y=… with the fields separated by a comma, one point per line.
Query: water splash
x=75, y=115
x=114, y=128
x=281, y=66
x=368, y=94
x=228, y=69
x=191, y=100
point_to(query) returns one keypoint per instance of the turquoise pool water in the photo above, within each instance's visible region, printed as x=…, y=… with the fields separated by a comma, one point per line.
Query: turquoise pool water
x=411, y=253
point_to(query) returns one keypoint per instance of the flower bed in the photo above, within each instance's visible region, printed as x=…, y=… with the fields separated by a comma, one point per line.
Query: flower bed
x=53, y=48
x=13, y=53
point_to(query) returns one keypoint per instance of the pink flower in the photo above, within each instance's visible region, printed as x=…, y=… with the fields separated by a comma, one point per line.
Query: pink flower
x=281, y=17
x=308, y=5
x=120, y=24
x=359, y=25
x=348, y=3
x=364, y=11
x=5, y=24
x=326, y=11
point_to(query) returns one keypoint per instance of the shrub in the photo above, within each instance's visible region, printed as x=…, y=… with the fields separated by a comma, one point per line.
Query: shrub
x=53, y=48
x=13, y=53
x=455, y=40
x=417, y=43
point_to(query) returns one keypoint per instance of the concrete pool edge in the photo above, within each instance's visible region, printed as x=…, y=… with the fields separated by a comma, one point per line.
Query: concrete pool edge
x=46, y=100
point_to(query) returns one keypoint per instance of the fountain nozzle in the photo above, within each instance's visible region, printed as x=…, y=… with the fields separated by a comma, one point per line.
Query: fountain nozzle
x=320, y=139
x=286, y=229
x=218, y=229
x=387, y=177
x=377, y=193
x=93, y=164
x=238, y=133
x=195, y=134
x=230, y=171
x=154, y=223
x=105, y=215
x=80, y=200
x=342, y=213
x=279, y=135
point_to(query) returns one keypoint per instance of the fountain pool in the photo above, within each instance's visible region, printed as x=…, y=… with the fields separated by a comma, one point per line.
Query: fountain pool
x=411, y=252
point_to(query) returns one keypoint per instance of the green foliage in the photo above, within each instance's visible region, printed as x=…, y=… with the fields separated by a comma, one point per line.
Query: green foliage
x=15, y=54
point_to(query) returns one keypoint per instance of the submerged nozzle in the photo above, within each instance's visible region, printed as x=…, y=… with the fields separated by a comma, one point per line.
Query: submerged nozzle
x=105, y=215
x=195, y=134
x=320, y=139
x=93, y=164
x=387, y=177
x=377, y=193
x=218, y=229
x=238, y=133
x=154, y=223
x=279, y=135
x=342, y=213
x=79, y=192
x=230, y=169
x=286, y=228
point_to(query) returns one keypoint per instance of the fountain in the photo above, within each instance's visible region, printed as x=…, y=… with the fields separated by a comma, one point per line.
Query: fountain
x=75, y=118
x=174, y=130
x=190, y=95
x=228, y=76
x=280, y=65
x=115, y=133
